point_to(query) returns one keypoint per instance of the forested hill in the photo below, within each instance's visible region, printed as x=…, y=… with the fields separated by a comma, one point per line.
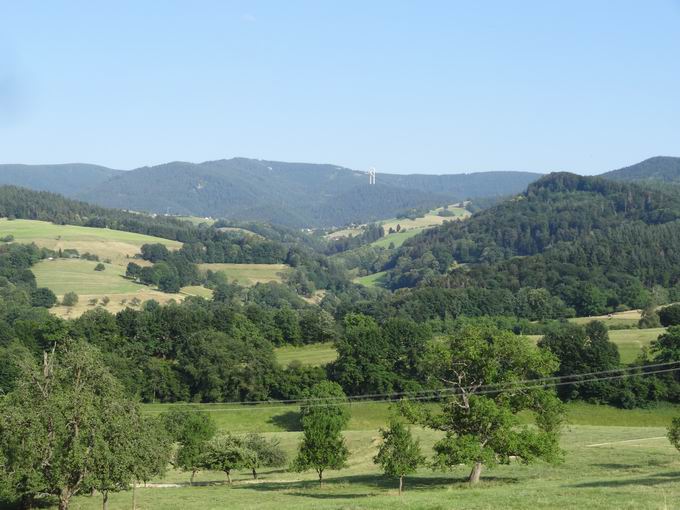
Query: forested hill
x=661, y=168
x=295, y=194
x=69, y=180
x=292, y=194
x=567, y=234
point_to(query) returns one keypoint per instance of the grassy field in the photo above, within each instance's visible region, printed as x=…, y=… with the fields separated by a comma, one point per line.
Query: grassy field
x=314, y=354
x=196, y=220
x=114, y=244
x=249, y=274
x=613, y=459
x=371, y=280
x=631, y=341
x=240, y=230
x=629, y=318
x=397, y=238
x=79, y=276
x=430, y=219
x=197, y=290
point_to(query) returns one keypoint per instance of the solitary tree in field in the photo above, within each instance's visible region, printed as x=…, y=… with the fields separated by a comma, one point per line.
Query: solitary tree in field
x=399, y=454
x=192, y=429
x=223, y=453
x=259, y=452
x=70, y=299
x=482, y=370
x=323, y=418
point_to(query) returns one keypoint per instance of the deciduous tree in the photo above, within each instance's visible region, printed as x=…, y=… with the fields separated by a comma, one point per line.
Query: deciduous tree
x=399, y=454
x=482, y=370
x=323, y=417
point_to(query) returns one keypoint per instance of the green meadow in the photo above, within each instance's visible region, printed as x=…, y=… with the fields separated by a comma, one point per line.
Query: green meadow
x=613, y=459
x=106, y=243
x=249, y=274
x=314, y=354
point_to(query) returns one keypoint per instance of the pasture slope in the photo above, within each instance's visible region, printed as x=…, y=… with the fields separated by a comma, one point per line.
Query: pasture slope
x=249, y=274
x=613, y=459
x=115, y=247
x=106, y=243
x=313, y=354
x=407, y=227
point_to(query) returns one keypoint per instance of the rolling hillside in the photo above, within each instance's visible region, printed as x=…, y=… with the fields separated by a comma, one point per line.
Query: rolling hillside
x=593, y=244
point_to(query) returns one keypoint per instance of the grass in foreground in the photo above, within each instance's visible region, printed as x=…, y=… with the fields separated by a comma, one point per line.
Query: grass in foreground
x=249, y=274
x=605, y=466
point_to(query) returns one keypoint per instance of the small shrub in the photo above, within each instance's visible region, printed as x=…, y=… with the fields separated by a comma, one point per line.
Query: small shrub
x=7, y=239
x=106, y=300
x=93, y=301
x=70, y=299
x=99, y=267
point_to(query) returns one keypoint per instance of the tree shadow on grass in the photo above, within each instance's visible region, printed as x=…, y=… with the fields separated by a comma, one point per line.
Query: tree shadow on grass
x=656, y=479
x=288, y=421
x=311, y=488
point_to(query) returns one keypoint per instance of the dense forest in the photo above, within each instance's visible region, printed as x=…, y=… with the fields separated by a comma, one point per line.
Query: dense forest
x=593, y=245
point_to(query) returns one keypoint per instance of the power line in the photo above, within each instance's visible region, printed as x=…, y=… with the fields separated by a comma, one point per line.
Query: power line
x=450, y=392
x=369, y=396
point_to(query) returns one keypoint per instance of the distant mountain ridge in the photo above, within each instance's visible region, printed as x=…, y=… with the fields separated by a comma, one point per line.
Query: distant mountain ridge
x=292, y=194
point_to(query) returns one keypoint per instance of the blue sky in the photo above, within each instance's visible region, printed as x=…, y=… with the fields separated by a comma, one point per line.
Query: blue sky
x=426, y=87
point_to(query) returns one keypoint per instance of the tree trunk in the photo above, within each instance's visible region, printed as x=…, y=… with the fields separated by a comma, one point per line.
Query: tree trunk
x=105, y=500
x=64, y=499
x=193, y=474
x=228, y=477
x=134, y=495
x=401, y=484
x=254, y=474
x=475, y=473
x=320, y=477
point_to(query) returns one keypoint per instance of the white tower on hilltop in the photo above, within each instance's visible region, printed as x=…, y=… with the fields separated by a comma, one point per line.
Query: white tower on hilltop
x=371, y=175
